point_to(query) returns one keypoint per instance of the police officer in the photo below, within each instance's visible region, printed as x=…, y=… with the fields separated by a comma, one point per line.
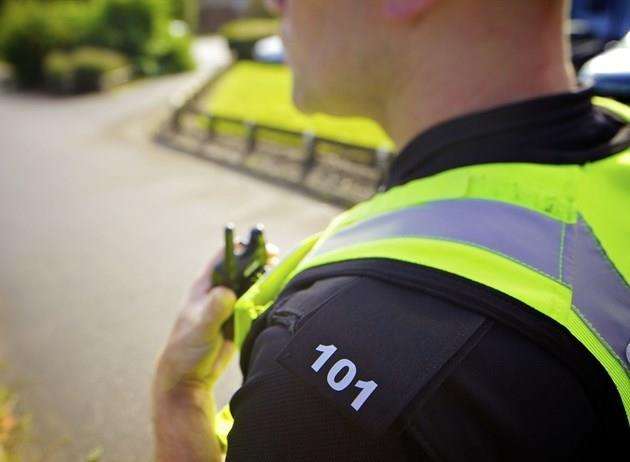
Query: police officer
x=479, y=307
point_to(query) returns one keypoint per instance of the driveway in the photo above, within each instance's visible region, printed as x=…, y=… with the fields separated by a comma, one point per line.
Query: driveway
x=101, y=231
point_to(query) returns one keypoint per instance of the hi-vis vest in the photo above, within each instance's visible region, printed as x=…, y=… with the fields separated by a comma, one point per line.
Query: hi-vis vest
x=555, y=237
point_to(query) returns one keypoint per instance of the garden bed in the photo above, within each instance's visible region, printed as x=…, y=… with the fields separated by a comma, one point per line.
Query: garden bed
x=261, y=93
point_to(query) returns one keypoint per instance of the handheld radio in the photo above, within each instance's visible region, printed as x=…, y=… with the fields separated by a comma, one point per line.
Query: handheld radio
x=240, y=270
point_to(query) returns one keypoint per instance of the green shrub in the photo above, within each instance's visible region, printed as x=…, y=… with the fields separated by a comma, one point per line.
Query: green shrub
x=167, y=54
x=30, y=30
x=85, y=69
x=139, y=29
x=130, y=25
x=91, y=66
x=58, y=72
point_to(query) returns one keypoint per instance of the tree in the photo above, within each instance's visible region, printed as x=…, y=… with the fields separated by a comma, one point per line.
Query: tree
x=188, y=10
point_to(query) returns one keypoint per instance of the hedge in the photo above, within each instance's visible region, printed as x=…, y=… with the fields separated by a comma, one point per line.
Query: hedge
x=58, y=72
x=242, y=34
x=140, y=29
x=85, y=69
x=30, y=30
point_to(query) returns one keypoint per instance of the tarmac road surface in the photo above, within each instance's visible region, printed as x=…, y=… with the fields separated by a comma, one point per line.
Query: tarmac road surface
x=101, y=231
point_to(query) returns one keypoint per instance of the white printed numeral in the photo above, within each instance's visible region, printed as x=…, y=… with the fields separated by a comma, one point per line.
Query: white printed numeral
x=327, y=351
x=367, y=388
x=341, y=375
x=347, y=379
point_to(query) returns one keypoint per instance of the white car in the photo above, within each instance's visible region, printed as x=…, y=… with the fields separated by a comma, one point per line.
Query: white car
x=609, y=72
x=269, y=50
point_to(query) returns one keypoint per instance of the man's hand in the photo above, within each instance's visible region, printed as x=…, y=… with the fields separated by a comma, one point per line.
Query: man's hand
x=196, y=352
x=193, y=359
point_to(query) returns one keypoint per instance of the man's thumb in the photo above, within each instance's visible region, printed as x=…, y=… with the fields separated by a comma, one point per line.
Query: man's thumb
x=219, y=307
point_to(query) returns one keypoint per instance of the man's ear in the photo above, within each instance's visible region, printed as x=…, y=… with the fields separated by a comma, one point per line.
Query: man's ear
x=406, y=10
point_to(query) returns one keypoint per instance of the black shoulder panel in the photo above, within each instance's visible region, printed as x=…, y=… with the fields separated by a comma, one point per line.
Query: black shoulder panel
x=372, y=347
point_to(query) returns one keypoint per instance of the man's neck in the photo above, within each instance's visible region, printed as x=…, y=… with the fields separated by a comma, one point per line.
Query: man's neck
x=474, y=71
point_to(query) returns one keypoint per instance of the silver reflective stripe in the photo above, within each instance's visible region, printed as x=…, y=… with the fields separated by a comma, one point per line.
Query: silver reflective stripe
x=516, y=232
x=568, y=253
x=600, y=294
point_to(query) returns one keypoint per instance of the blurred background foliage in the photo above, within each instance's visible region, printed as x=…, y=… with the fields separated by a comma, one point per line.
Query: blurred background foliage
x=151, y=36
x=12, y=426
x=243, y=34
x=186, y=10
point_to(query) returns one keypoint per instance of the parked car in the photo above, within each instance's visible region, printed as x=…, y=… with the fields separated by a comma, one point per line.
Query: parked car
x=609, y=72
x=269, y=50
x=595, y=23
x=585, y=43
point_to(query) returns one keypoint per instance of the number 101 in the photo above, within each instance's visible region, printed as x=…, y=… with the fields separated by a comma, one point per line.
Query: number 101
x=341, y=375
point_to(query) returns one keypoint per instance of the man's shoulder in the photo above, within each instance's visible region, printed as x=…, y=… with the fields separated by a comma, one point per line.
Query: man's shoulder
x=366, y=345
x=390, y=357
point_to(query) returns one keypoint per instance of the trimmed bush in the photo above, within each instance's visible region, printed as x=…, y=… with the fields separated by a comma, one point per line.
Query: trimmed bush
x=242, y=34
x=85, y=69
x=58, y=72
x=91, y=67
x=139, y=29
x=30, y=30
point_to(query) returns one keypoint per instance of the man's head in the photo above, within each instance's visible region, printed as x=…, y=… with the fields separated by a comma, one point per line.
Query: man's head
x=352, y=57
x=332, y=47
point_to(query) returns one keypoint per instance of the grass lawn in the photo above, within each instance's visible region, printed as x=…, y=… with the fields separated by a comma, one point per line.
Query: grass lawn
x=261, y=93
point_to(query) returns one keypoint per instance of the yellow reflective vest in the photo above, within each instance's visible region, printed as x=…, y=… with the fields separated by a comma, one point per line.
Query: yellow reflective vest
x=555, y=237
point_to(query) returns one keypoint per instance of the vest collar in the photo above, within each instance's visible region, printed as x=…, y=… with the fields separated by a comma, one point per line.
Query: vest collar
x=558, y=129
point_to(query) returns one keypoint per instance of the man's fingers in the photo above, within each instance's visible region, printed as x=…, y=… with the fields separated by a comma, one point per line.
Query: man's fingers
x=219, y=306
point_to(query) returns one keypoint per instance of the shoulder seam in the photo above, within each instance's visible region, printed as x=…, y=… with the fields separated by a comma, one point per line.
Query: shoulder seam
x=280, y=315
